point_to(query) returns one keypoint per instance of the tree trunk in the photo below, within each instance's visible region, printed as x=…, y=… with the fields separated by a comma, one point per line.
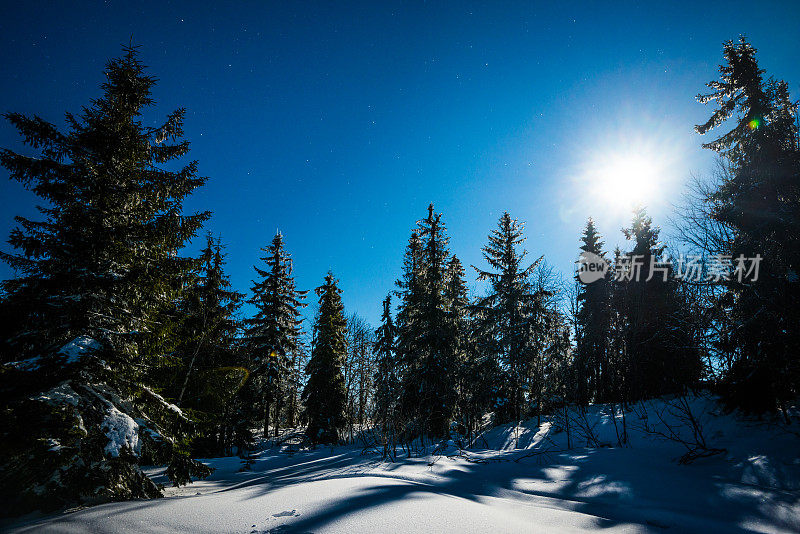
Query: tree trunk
x=290, y=415
x=539, y=408
x=267, y=406
x=277, y=423
x=191, y=363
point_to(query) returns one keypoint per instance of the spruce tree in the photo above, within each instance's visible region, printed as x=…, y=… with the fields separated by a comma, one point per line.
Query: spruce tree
x=292, y=384
x=210, y=370
x=103, y=260
x=592, y=365
x=456, y=298
x=273, y=334
x=544, y=325
x=458, y=317
x=208, y=313
x=477, y=374
x=99, y=275
x=759, y=201
x=559, y=368
x=510, y=315
x=386, y=379
x=472, y=388
x=325, y=394
x=428, y=395
x=618, y=357
x=410, y=293
x=662, y=350
x=408, y=330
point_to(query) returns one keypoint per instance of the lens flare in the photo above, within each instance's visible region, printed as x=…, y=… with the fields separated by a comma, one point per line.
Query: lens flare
x=754, y=123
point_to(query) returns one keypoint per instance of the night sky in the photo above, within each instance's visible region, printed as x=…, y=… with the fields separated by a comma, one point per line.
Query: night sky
x=339, y=124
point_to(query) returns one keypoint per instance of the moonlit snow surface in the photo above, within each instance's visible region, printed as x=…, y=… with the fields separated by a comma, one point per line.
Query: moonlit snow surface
x=520, y=480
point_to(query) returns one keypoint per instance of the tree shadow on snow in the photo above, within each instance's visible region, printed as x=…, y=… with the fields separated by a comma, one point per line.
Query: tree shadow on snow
x=609, y=486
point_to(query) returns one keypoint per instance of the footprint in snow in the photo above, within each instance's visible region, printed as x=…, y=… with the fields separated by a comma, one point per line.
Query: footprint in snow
x=292, y=513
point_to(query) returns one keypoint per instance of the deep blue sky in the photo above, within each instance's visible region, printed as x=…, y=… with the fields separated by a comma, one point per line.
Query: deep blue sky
x=339, y=124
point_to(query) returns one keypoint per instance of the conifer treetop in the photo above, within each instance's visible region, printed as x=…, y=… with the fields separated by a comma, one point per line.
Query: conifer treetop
x=105, y=254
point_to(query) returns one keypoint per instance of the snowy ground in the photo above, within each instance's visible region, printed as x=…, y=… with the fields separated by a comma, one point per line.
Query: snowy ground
x=535, y=487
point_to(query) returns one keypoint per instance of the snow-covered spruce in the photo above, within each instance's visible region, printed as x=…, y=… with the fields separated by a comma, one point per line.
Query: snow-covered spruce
x=74, y=433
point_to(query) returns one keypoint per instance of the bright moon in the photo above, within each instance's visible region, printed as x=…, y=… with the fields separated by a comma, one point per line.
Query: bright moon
x=619, y=180
x=626, y=179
